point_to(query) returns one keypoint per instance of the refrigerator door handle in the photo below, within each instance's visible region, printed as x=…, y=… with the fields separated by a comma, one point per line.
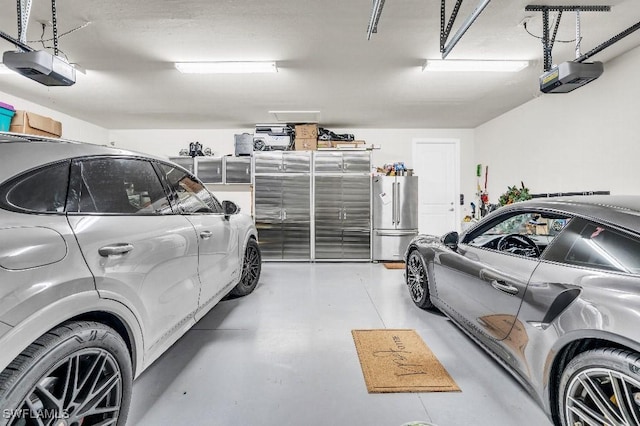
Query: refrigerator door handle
x=393, y=203
x=398, y=204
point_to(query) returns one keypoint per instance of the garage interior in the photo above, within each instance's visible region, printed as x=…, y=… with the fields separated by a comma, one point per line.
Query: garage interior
x=285, y=355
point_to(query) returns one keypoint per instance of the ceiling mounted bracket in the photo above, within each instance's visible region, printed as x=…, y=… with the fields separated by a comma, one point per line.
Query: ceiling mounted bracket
x=547, y=40
x=445, y=48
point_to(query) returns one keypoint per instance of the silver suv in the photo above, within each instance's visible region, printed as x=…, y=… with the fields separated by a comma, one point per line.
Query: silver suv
x=107, y=257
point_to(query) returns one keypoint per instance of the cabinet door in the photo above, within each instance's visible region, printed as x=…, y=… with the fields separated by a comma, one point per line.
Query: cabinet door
x=356, y=162
x=296, y=162
x=268, y=213
x=186, y=162
x=237, y=170
x=328, y=217
x=328, y=162
x=209, y=170
x=268, y=162
x=407, y=202
x=356, y=217
x=296, y=217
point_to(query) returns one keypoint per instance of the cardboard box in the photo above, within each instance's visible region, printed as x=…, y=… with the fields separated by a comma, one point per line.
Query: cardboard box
x=306, y=144
x=307, y=131
x=34, y=124
x=348, y=144
x=324, y=144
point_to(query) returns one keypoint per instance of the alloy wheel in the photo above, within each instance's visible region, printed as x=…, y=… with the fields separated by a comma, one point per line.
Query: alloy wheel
x=251, y=266
x=83, y=389
x=416, y=277
x=600, y=396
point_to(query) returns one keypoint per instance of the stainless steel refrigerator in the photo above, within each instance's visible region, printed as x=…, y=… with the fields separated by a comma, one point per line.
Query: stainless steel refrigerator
x=395, y=215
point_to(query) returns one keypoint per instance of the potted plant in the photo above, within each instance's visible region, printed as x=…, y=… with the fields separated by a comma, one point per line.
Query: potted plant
x=514, y=194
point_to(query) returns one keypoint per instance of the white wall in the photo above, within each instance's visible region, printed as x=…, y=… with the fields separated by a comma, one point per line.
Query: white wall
x=168, y=142
x=586, y=140
x=72, y=128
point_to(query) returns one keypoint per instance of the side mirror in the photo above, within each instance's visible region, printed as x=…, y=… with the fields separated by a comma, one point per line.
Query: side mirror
x=451, y=240
x=230, y=208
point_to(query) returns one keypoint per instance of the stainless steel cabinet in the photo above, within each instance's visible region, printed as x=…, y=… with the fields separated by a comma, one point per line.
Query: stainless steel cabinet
x=186, y=162
x=282, y=162
x=282, y=198
x=342, y=162
x=342, y=205
x=237, y=169
x=208, y=169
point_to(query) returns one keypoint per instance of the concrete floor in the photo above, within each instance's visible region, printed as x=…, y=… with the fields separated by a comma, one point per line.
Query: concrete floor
x=284, y=355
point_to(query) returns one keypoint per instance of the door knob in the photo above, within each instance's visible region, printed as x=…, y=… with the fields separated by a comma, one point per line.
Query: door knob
x=205, y=235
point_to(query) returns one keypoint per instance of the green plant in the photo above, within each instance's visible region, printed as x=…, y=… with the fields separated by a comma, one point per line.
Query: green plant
x=514, y=194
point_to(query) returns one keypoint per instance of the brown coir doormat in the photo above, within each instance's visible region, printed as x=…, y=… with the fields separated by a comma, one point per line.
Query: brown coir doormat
x=399, y=361
x=394, y=265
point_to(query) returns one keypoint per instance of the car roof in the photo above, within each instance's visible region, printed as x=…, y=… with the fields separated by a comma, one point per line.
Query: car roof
x=619, y=210
x=19, y=153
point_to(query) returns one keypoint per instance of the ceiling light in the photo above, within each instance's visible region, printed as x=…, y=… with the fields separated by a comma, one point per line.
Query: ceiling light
x=225, y=67
x=474, y=65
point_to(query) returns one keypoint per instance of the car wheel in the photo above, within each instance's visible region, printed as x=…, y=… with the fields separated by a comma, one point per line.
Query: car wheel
x=77, y=374
x=417, y=280
x=601, y=386
x=251, y=267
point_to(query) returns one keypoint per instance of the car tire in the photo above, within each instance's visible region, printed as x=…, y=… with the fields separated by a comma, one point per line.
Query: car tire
x=251, y=267
x=417, y=279
x=79, y=373
x=596, y=382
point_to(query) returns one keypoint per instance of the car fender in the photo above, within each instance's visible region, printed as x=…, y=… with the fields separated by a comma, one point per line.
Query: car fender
x=572, y=337
x=250, y=232
x=20, y=336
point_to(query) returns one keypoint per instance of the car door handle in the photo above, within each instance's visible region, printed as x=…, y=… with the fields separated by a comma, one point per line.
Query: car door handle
x=503, y=286
x=205, y=235
x=115, y=249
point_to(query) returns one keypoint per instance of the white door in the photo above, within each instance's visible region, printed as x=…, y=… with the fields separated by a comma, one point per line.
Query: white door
x=437, y=164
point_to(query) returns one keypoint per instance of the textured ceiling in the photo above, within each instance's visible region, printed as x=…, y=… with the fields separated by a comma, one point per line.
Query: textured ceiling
x=325, y=62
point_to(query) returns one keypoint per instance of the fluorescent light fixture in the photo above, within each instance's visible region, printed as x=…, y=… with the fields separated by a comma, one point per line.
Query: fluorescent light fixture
x=375, y=17
x=454, y=65
x=225, y=67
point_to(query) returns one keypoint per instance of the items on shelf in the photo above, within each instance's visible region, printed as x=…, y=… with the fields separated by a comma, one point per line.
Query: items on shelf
x=195, y=150
x=6, y=114
x=35, y=124
x=243, y=144
x=395, y=169
x=306, y=137
x=328, y=135
x=273, y=137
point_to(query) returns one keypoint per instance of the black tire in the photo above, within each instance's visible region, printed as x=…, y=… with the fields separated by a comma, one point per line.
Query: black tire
x=602, y=385
x=417, y=279
x=251, y=267
x=39, y=384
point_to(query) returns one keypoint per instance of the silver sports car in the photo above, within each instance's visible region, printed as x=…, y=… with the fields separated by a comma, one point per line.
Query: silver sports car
x=551, y=289
x=107, y=257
